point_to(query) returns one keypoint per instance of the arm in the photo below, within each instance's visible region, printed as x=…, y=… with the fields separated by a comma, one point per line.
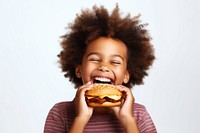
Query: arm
x=130, y=125
x=78, y=125
x=83, y=111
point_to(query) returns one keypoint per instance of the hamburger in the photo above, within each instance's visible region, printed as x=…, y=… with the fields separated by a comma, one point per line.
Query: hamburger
x=103, y=95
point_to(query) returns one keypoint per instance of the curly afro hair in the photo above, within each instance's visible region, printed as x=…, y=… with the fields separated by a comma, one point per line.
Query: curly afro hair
x=97, y=22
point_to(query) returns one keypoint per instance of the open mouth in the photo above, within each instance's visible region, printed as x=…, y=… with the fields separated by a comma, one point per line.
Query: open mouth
x=102, y=80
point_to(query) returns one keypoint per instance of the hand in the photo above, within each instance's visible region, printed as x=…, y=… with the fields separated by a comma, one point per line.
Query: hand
x=125, y=110
x=84, y=112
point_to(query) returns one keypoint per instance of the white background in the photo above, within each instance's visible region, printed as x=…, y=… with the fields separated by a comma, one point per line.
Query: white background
x=31, y=81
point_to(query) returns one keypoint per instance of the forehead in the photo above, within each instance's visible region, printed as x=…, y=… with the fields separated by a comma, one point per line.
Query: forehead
x=107, y=46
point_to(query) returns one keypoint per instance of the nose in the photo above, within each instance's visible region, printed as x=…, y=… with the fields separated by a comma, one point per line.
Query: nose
x=103, y=68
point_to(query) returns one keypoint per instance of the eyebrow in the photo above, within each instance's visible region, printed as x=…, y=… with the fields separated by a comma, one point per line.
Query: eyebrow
x=96, y=53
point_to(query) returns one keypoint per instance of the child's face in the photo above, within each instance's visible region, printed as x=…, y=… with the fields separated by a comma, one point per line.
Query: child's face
x=105, y=60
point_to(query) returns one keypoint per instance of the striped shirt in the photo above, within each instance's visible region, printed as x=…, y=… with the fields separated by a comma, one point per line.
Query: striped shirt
x=61, y=117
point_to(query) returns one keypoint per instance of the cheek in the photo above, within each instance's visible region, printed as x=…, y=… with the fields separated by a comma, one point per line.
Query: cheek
x=87, y=69
x=120, y=72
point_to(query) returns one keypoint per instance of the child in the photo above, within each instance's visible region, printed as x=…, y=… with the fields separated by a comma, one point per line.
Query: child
x=103, y=47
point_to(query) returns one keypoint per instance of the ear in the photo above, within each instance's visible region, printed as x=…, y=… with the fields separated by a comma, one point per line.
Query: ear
x=126, y=77
x=78, y=71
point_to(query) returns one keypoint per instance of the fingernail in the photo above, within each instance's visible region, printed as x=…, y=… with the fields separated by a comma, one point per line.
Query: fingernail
x=89, y=82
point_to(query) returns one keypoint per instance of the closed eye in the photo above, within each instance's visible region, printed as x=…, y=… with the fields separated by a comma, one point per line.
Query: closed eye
x=94, y=60
x=116, y=62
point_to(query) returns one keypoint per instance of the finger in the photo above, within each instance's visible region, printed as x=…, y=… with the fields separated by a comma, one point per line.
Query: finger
x=115, y=108
x=80, y=93
x=124, y=89
x=85, y=85
x=128, y=96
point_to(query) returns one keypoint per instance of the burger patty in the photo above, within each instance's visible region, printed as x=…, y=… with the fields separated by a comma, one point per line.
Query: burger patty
x=96, y=99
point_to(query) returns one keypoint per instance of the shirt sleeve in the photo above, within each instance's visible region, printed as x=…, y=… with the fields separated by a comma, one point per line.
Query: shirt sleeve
x=145, y=124
x=54, y=122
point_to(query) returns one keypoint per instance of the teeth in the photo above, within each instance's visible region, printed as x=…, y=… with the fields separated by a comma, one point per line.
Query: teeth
x=102, y=79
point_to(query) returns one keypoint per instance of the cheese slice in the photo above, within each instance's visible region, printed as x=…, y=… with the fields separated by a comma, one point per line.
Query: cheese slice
x=115, y=97
x=89, y=97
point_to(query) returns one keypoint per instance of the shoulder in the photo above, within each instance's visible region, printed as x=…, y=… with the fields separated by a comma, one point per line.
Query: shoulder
x=56, y=120
x=63, y=105
x=138, y=111
x=144, y=121
x=63, y=108
x=139, y=108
